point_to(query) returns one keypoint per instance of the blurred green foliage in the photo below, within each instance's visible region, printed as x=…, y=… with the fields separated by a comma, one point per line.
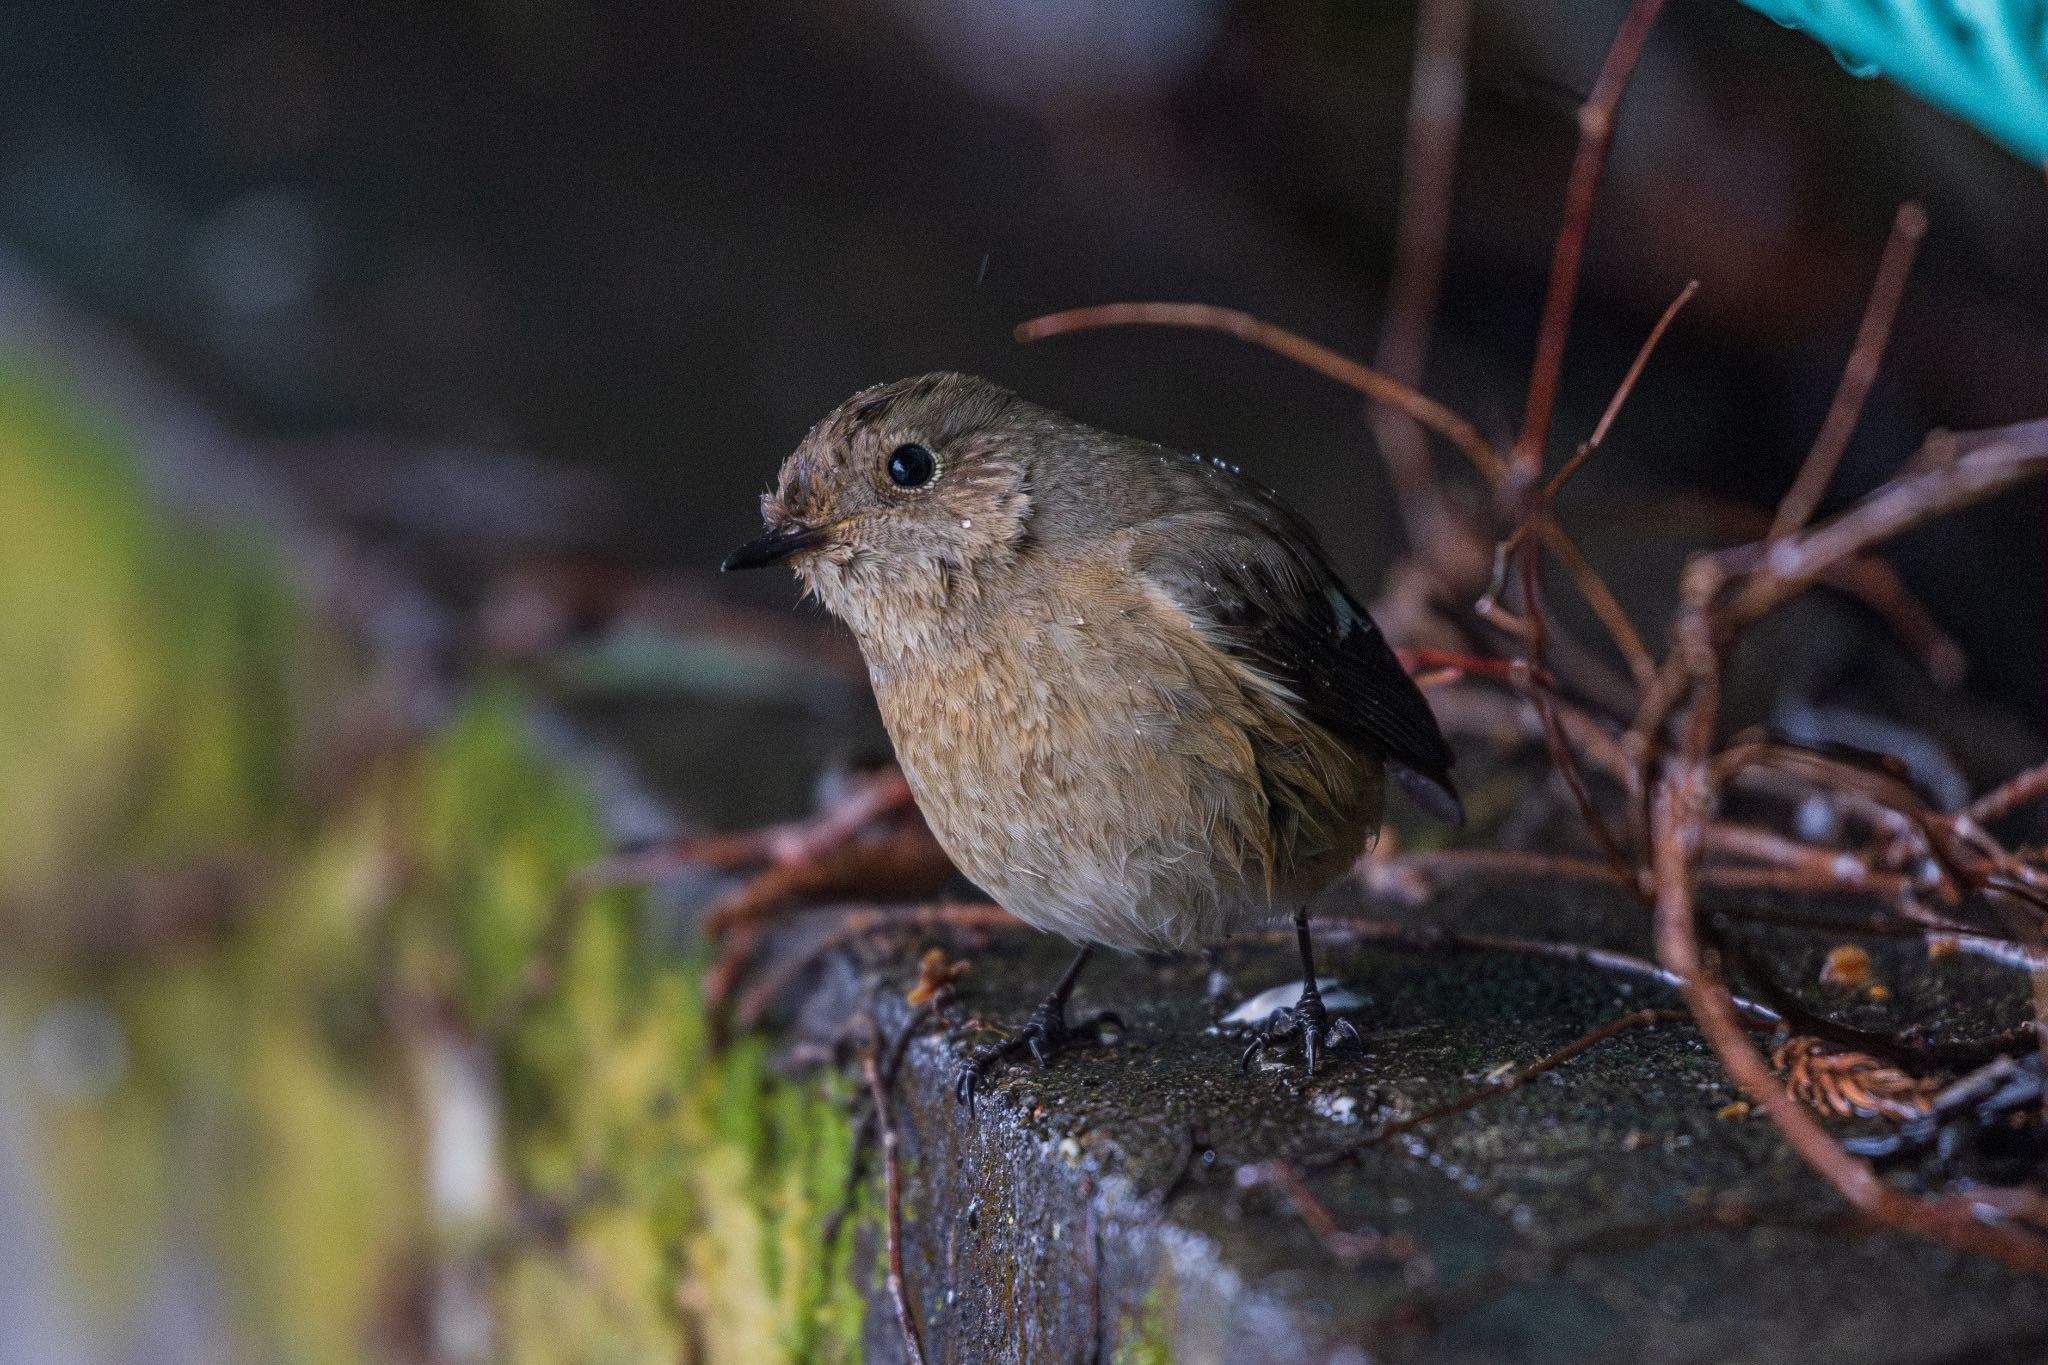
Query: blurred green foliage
x=333, y=1079
x=148, y=668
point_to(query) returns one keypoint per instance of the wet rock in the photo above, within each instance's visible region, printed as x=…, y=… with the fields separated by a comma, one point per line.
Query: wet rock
x=1123, y=1201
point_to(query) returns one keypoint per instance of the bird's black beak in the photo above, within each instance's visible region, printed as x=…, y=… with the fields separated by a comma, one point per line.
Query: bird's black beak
x=774, y=547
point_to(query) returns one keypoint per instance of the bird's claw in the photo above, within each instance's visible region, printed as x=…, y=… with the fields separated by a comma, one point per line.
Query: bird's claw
x=1045, y=1033
x=1310, y=1021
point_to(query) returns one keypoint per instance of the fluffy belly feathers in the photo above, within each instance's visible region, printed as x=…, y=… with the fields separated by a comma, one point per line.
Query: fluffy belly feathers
x=1164, y=829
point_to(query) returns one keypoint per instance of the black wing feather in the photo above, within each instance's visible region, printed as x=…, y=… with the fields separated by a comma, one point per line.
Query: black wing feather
x=1253, y=572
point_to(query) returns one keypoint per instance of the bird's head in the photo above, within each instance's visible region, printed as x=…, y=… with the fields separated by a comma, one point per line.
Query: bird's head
x=905, y=502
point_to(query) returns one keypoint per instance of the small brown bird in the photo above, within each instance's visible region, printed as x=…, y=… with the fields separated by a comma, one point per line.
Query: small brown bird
x=1128, y=690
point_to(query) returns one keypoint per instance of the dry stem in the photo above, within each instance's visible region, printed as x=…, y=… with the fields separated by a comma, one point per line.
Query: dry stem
x=1436, y=111
x=1379, y=387
x=1340, y=1242
x=892, y=1194
x=1550, y=1062
x=1908, y=227
x=1596, y=135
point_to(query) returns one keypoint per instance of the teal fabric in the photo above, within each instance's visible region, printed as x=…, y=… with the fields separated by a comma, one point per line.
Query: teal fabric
x=1985, y=61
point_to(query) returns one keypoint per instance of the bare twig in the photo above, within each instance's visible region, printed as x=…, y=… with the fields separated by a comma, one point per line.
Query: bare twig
x=1621, y=394
x=1515, y=672
x=1865, y=577
x=1986, y=463
x=1472, y=1099
x=784, y=845
x=1797, y=508
x=892, y=1194
x=1601, y=599
x=1938, y=942
x=1596, y=135
x=864, y=1130
x=1830, y=869
x=1628, y=385
x=1589, y=583
x=1564, y=758
x=901, y=860
x=1392, y=934
x=2010, y=795
x=858, y=924
x=1679, y=805
x=1395, y=877
x=1436, y=111
x=1878, y=586
x=1983, y=463
x=1344, y=1244
x=1688, y=776
x=1206, y=317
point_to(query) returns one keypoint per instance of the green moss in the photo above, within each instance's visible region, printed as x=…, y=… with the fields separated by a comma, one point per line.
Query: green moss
x=150, y=669
x=1146, y=1337
x=286, y=1059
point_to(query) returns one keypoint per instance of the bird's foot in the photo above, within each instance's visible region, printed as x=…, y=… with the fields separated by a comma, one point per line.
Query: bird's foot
x=1307, y=1022
x=1044, y=1033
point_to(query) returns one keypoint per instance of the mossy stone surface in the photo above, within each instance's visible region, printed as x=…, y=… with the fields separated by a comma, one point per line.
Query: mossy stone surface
x=285, y=1088
x=1095, y=1208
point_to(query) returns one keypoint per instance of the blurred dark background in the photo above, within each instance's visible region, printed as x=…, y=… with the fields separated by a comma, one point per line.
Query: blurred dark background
x=543, y=280
x=521, y=303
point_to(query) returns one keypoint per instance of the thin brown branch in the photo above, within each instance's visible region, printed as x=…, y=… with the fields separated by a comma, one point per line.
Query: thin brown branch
x=970, y=917
x=864, y=1129
x=1678, y=807
x=1412, y=877
x=1343, y=1243
x=2010, y=795
x=1909, y=225
x=1514, y=672
x=1430, y=939
x=1394, y=876
x=1970, y=468
x=903, y=860
x=1436, y=114
x=1877, y=585
x=1938, y=942
x=1830, y=869
x=1472, y=1099
x=1601, y=599
x=1324, y=361
x=1436, y=111
x=1682, y=801
x=1867, y=578
x=1593, y=739
x=1564, y=758
x=1986, y=463
x=1628, y=384
x=1621, y=395
x=783, y=845
x=1596, y=135
x=892, y=1208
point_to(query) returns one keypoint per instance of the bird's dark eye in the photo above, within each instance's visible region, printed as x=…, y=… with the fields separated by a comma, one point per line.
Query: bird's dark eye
x=911, y=466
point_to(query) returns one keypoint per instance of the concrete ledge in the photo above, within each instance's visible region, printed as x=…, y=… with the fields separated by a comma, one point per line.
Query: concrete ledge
x=1098, y=1210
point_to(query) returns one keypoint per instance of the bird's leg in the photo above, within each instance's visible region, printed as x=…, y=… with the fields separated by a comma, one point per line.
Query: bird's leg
x=1045, y=1032
x=1308, y=1018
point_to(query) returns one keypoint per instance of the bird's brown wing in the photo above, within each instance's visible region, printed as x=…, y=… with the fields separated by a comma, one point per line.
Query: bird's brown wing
x=1251, y=575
